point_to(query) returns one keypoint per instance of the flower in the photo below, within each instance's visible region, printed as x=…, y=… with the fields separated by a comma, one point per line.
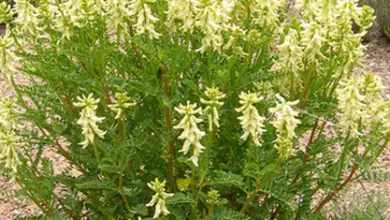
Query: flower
x=212, y=18
x=88, y=119
x=285, y=121
x=191, y=133
x=8, y=115
x=350, y=106
x=213, y=104
x=372, y=88
x=386, y=119
x=158, y=200
x=122, y=103
x=251, y=121
x=6, y=13
x=7, y=56
x=266, y=13
x=27, y=19
x=83, y=12
x=63, y=18
x=116, y=17
x=184, y=11
x=312, y=41
x=9, y=141
x=141, y=12
x=290, y=54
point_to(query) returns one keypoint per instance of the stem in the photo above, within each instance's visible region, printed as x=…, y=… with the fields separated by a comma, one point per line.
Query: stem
x=306, y=89
x=346, y=181
x=127, y=203
x=67, y=99
x=252, y=195
x=122, y=131
x=313, y=131
x=249, y=161
x=343, y=156
x=65, y=154
x=136, y=50
x=168, y=119
x=211, y=209
x=275, y=213
x=96, y=152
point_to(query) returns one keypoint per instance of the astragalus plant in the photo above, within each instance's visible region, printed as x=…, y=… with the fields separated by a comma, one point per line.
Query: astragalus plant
x=188, y=109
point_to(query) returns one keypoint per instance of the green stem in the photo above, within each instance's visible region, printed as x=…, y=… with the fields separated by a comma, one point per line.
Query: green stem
x=211, y=209
x=343, y=156
x=249, y=161
x=127, y=203
x=96, y=152
x=250, y=198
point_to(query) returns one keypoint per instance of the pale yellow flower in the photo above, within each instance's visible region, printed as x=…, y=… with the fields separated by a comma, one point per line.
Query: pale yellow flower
x=7, y=56
x=285, y=121
x=27, y=19
x=121, y=103
x=290, y=54
x=350, y=107
x=191, y=134
x=266, y=13
x=88, y=119
x=9, y=142
x=141, y=13
x=251, y=122
x=158, y=199
x=213, y=104
x=117, y=16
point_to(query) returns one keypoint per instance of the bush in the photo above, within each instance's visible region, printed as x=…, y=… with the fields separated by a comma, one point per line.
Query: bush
x=383, y=15
x=203, y=109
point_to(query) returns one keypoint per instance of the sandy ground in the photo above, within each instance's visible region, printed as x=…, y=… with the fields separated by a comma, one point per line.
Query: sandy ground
x=377, y=62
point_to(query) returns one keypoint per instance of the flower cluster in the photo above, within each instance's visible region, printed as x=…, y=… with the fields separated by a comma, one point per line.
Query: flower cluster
x=27, y=20
x=285, y=123
x=266, y=14
x=141, y=14
x=7, y=56
x=251, y=121
x=292, y=51
x=121, y=103
x=372, y=88
x=184, y=11
x=5, y=13
x=9, y=140
x=214, y=96
x=88, y=119
x=116, y=18
x=386, y=120
x=191, y=133
x=351, y=106
x=8, y=115
x=158, y=200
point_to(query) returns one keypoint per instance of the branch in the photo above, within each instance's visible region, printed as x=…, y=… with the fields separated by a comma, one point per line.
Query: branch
x=346, y=181
x=168, y=119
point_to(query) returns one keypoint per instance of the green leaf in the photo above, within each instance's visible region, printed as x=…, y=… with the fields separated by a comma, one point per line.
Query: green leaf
x=222, y=213
x=96, y=185
x=131, y=191
x=140, y=209
x=180, y=198
x=223, y=178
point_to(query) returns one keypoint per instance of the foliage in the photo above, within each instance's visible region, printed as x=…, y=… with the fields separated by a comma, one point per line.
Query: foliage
x=383, y=15
x=224, y=109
